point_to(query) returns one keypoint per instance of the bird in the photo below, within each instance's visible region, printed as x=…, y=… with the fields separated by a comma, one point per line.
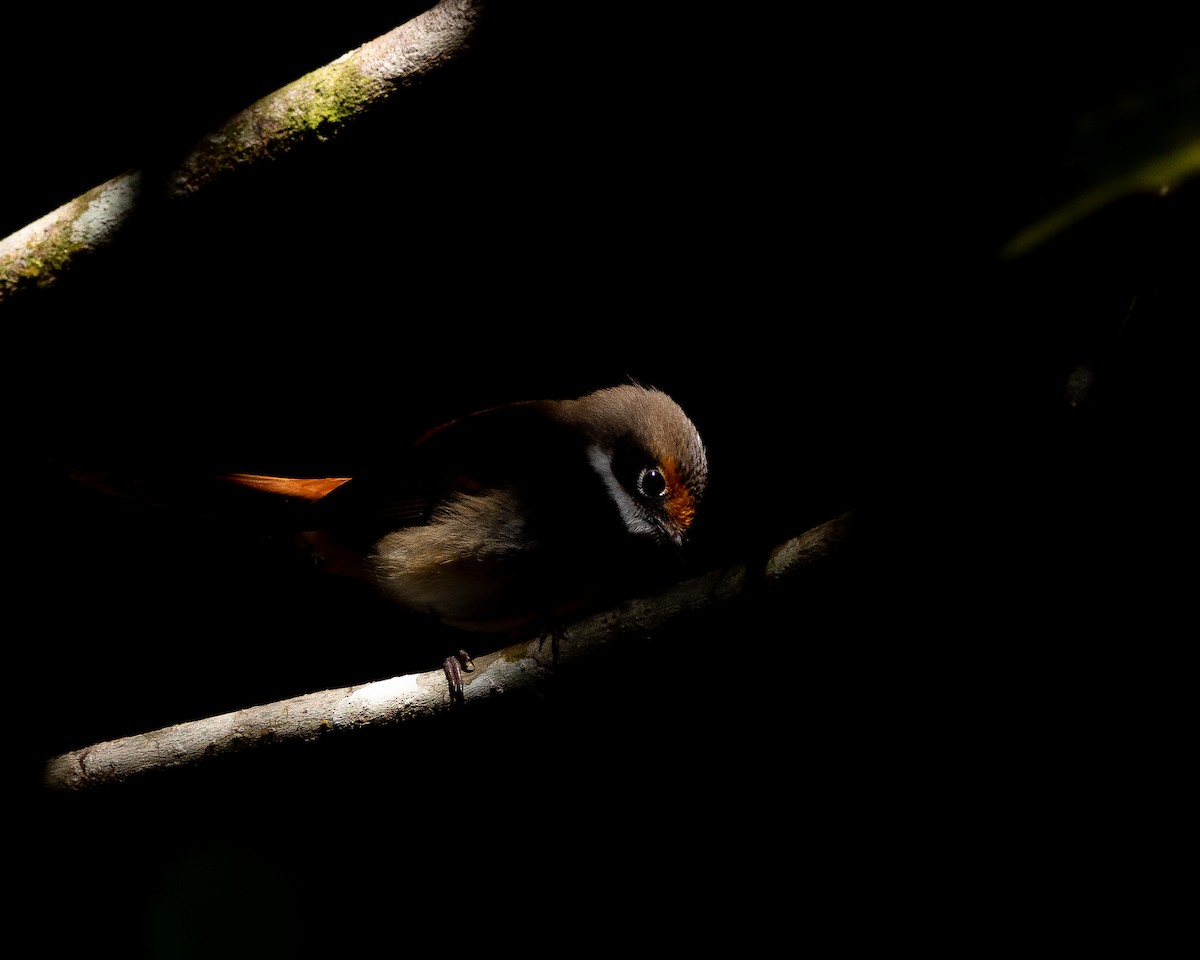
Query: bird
x=508, y=521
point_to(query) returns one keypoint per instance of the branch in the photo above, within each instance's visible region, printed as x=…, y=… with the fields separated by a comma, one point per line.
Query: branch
x=523, y=667
x=309, y=109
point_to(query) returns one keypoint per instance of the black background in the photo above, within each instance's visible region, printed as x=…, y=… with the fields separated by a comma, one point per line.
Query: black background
x=791, y=227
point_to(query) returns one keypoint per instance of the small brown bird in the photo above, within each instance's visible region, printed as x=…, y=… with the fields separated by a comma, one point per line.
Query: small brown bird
x=511, y=519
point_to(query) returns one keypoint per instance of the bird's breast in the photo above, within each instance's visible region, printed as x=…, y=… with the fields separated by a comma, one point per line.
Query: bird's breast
x=478, y=564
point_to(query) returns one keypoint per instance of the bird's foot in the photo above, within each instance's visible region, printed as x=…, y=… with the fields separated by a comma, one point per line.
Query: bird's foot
x=554, y=635
x=454, y=667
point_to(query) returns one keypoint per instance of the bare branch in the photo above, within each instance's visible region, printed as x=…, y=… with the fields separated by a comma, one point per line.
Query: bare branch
x=523, y=667
x=311, y=108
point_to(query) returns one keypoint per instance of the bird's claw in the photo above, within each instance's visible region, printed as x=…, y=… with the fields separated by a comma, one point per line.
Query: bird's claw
x=554, y=635
x=454, y=668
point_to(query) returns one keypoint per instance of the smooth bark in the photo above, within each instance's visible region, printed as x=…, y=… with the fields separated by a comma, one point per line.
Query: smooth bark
x=521, y=668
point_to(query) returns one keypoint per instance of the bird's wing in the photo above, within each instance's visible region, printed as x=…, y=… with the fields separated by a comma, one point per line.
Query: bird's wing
x=513, y=444
x=481, y=449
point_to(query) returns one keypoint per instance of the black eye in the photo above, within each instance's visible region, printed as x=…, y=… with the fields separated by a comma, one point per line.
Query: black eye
x=651, y=482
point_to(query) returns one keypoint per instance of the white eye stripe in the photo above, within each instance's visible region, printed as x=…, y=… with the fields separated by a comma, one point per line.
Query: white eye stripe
x=601, y=462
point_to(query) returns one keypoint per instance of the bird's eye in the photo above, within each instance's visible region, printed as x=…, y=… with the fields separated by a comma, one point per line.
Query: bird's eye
x=651, y=482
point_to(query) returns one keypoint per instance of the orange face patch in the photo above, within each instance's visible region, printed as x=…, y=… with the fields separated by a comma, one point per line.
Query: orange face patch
x=680, y=505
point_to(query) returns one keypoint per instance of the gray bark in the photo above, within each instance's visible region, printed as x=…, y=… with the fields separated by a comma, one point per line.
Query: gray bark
x=311, y=108
x=522, y=668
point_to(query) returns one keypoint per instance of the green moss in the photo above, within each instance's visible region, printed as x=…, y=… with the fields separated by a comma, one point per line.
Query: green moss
x=333, y=95
x=315, y=105
x=37, y=255
x=40, y=260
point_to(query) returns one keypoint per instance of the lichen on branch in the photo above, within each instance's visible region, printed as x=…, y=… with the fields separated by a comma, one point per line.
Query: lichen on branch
x=35, y=255
x=310, y=108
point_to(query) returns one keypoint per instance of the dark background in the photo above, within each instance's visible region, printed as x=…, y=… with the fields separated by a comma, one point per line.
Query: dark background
x=791, y=227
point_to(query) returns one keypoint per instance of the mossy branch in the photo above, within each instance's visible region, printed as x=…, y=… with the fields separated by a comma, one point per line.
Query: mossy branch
x=311, y=108
x=523, y=667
